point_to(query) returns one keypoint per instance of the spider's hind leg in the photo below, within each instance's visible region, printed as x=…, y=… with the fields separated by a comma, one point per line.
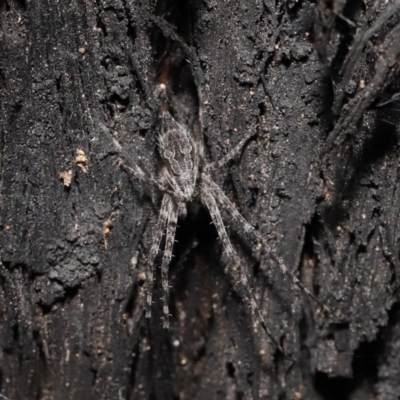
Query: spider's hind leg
x=230, y=155
x=132, y=167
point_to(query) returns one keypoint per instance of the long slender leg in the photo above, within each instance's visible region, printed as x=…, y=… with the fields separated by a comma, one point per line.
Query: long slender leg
x=137, y=172
x=159, y=230
x=211, y=204
x=169, y=243
x=227, y=205
x=231, y=154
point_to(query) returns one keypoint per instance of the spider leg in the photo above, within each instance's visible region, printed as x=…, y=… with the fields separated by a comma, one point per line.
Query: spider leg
x=247, y=228
x=159, y=230
x=169, y=243
x=136, y=171
x=212, y=206
x=231, y=154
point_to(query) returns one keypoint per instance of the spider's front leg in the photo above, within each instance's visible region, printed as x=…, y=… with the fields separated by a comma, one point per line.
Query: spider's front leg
x=247, y=228
x=163, y=218
x=169, y=243
x=208, y=200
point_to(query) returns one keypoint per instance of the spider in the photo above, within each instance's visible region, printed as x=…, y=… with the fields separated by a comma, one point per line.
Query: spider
x=183, y=178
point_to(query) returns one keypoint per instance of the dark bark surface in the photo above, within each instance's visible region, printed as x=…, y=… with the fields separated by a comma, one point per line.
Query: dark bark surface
x=317, y=81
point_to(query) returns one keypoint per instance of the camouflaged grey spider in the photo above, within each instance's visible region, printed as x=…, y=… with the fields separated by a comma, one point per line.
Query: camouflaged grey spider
x=184, y=178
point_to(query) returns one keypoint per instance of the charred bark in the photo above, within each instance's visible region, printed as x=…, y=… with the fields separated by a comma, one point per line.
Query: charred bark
x=318, y=82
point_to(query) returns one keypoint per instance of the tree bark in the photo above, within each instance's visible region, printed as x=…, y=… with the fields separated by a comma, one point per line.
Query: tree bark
x=317, y=82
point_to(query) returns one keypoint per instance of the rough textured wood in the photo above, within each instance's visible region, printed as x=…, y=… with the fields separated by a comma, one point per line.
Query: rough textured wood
x=320, y=181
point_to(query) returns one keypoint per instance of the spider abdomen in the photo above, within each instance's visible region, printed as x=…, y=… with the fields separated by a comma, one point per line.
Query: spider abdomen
x=177, y=152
